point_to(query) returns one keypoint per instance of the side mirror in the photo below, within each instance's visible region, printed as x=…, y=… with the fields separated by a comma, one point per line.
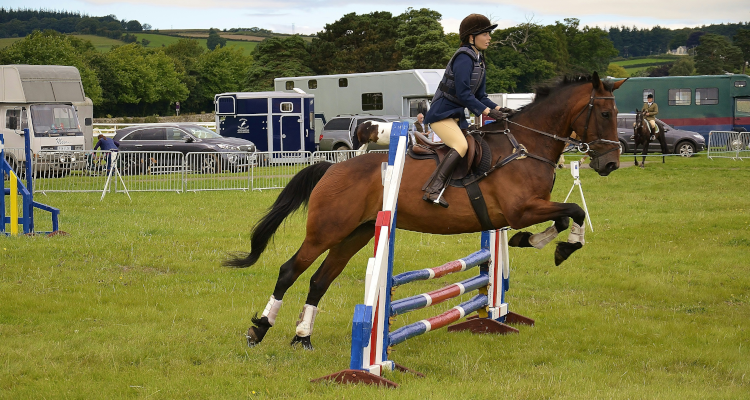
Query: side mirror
x=189, y=139
x=87, y=121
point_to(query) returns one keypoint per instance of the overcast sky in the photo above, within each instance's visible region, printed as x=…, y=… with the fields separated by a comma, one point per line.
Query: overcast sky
x=310, y=16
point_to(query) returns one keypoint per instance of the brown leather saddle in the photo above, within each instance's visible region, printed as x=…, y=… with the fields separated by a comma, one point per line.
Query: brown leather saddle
x=477, y=160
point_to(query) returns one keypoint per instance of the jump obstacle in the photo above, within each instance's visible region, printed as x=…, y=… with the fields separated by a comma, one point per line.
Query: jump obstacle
x=371, y=335
x=26, y=219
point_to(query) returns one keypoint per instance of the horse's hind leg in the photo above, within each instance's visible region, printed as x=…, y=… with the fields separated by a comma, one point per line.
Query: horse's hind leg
x=288, y=274
x=331, y=267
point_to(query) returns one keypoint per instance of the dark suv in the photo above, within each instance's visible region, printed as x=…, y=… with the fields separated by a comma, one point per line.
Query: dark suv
x=184, y=138
x=338, y=133
x=684, y=143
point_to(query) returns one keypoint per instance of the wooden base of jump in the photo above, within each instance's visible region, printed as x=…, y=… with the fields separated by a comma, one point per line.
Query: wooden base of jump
x=474, y=324
x=358, y=376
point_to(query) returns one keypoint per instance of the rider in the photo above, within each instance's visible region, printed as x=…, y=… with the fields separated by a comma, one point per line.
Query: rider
x=462, y=86
x=650, y=109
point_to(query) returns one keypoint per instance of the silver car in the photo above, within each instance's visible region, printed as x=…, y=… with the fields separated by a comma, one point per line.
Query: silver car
x=685, y=143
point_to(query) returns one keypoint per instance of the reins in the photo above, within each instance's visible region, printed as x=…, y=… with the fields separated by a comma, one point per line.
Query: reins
x=520, y=152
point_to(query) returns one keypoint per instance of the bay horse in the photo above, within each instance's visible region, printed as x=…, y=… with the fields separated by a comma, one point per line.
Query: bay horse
x=642, y=137
x=343, y=199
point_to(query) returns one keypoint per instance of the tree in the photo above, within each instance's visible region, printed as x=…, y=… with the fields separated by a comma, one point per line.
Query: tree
x=357, y=43
x=617, y=71
x=679, y=39
x=277, y=57
x=219, y=71
x=683, y=67
x=88, y=25
x=185, y=53
x=522, y=56
x=421, y=40
x=52, y=48
x=716, y=55
x=214, y=40
x=139, y=81
x=742, y=41
x=694, y=39
x=134, y=26
x=590, y=48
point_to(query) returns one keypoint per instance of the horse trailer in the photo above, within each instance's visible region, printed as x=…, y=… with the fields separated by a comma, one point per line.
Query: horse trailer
x=694, y=103
x=404, y=93
x=273, y=121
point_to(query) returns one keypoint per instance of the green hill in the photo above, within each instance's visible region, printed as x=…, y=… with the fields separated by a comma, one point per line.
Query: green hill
x=104, y=44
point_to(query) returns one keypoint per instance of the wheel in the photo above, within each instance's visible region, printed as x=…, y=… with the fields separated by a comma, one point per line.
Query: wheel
x=685, y=149
x=16, y=166
x=341, y=157
x=623, y=146
x=208, y=164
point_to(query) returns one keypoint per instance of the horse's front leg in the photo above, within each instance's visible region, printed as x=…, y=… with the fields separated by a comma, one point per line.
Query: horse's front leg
x=560, y=214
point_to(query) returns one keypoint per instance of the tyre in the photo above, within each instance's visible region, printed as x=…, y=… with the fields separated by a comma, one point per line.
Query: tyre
x=685, y=149
x=623, y=147
x=207, y=164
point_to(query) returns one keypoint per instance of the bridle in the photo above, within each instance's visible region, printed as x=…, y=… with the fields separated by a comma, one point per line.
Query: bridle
x=520, y=152
x=590, y=109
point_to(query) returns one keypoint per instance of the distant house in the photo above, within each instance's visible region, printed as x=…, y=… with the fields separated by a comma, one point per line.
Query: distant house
x=680, y=51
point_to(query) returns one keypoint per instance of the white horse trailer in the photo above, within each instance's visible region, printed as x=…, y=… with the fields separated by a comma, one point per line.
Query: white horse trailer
x=404, y=93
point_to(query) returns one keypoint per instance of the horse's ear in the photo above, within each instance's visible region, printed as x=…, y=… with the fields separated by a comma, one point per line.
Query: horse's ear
x=596, y=81
x=617, y=84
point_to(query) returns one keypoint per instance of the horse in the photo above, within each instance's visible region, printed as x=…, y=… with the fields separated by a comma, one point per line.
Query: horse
x=642, y=136
x=372, y=132
x=343, y=199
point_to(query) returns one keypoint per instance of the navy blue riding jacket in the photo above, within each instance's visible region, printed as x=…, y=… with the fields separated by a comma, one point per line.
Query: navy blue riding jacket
x=443, y=108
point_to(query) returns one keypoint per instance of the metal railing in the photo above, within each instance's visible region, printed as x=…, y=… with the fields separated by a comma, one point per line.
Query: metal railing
x=729, y=144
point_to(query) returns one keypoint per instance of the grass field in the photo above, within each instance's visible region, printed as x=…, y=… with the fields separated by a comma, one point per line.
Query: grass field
x=634, y=65
x=134, y=302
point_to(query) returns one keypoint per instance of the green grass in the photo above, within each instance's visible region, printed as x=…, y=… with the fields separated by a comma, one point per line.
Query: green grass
x=5, y=42
x=101, y=43
x=158, y=40
x=643, y=60
x=134, y=303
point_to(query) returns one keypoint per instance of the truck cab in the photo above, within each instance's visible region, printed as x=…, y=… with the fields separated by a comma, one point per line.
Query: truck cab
x=41, y=98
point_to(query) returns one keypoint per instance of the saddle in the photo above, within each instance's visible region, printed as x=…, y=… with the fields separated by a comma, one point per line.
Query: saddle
x=477, y=160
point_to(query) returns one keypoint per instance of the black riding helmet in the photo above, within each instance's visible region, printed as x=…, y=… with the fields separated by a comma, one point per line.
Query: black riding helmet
x=474, y=24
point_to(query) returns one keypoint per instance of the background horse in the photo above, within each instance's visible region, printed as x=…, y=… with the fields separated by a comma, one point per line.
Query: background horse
x=343, y=200
x=642, y=137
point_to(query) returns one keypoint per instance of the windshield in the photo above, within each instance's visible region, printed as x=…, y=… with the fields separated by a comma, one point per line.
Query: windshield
x=201, y=132
x=54, y=120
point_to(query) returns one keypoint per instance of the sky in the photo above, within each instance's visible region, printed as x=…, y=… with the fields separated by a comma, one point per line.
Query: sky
x=311, y=16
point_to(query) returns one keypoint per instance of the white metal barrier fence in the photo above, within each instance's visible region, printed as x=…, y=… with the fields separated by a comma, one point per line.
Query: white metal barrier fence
x=78, y=171
x=729, y=144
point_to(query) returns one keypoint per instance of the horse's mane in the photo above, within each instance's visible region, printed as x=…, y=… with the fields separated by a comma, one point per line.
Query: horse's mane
x=543, y=91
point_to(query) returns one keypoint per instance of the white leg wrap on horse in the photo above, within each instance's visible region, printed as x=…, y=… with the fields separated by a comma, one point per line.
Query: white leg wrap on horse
x=272, y=309
x=306, y=320
x=542, y=239
x=576, y=233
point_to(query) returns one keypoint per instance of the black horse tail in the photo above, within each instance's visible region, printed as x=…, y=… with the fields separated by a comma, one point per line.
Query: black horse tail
x=296, y=193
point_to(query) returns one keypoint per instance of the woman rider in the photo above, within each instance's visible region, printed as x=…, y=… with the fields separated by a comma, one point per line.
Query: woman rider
x=463, y=86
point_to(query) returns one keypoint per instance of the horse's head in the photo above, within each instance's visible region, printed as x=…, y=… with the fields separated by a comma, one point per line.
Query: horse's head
x=596, y=123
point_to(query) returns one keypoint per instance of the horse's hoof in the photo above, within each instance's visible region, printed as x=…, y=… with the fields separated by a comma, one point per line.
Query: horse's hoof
x=520, y=239
x=304, y=341
x=643, y=165
x=564, y=250
x=252, y=336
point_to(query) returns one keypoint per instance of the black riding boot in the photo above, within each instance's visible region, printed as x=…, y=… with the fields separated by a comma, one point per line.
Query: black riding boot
x=439, y=180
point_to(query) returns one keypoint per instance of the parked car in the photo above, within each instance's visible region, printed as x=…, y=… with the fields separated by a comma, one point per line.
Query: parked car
x=685, y=143
x=338, y=133
x=184, y=138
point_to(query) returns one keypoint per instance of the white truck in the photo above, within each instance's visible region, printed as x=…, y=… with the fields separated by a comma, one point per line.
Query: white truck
x=402, y=93
x=43, y=99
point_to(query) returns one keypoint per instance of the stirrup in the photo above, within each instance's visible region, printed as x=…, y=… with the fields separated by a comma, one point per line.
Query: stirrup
x=439, y=200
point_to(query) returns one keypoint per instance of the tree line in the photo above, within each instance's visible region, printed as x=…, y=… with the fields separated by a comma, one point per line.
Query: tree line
x=636, y=42
x=22, y=22
x=136, y=81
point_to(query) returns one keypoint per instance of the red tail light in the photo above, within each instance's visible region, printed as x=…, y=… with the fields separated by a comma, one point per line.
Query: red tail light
x=321, y=137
